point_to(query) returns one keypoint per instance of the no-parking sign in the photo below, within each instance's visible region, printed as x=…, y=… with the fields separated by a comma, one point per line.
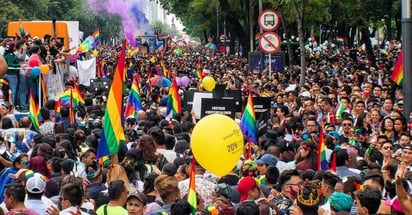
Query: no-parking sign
x=269, y=42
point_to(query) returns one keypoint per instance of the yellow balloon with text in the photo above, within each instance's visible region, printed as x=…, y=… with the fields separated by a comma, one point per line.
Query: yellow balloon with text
x=209, y=83
x=217, y=143
x=44, y=69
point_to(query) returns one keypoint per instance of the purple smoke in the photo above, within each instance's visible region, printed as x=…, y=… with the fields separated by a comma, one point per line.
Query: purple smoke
x=133, y=19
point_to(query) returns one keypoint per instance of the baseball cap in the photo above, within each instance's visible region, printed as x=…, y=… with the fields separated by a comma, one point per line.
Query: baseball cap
x=140, y=196
x=267, y=159
x=36, y=184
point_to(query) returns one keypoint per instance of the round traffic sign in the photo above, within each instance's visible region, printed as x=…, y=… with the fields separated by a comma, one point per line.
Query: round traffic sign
x=269, y=42
x=269, y=20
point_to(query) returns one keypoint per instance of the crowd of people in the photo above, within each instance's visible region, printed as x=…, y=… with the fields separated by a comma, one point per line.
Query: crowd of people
x=348, y=102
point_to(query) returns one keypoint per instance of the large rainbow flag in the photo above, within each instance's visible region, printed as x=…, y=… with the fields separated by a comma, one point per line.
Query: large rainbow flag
x=322, y=162
x=397, y=74
x=248, y=121
x=134, y=102
x=112, y=136
x=173, y=101
x=34, y=112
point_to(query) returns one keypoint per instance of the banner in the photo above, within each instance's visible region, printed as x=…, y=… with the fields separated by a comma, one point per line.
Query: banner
x=87, y=71
x=218, y=106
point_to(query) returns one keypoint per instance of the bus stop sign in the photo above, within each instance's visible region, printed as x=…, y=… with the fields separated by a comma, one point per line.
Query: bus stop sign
x=269, y=20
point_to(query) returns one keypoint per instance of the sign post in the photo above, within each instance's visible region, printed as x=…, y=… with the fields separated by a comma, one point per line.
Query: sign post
x=269, y=42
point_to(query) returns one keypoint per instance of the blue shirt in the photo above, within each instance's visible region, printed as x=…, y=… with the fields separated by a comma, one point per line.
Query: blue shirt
x=36, y=205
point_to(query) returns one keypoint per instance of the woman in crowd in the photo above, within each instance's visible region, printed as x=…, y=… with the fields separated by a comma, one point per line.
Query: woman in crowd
x=306, y=158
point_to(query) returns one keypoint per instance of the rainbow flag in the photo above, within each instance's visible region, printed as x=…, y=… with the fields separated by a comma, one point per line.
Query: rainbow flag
x=148, y=85
x=57, y=108
x=112, y=136
x=104, y=68
x=158, y=70
x=336, y=68
x=257, y=37
x=134, y=102
x=169, y=73
x=340, y=40
x=162, y=64
x=86, y=45
x=248, y=121
x=34, y=112
x=66, y=98
x=173, y=101
x=78, y=93
x=198, y=73
x=96, y=37
x=322, y=162
x=397, y=74
x=71, y=116
x=191, y=196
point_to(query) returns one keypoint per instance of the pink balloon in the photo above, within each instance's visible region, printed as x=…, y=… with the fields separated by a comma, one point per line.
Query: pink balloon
x=178, y=81
x=185, y=81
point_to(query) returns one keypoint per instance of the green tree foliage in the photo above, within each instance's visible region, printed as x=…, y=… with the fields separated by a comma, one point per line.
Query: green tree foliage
x=76, y=10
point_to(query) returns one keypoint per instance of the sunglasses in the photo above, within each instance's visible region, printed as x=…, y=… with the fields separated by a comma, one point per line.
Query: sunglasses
x=388, y=148
x=346, y=124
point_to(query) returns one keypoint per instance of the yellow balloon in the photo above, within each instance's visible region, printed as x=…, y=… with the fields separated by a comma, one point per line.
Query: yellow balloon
x=44, y=69
x=152, y=60
x=217, y=143
x=209, y=83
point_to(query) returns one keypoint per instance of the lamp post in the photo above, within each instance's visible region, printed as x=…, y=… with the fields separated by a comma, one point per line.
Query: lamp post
x=407, y=54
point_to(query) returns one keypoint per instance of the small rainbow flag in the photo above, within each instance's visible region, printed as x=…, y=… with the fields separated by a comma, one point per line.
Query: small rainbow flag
x=191, y=196
x=322, y=162
x=340, y=40
x=162, y=64
x=148, y=86
x=158, y=70
x=198, y=73
x=34, y=112
x=78, y=93
x=71, y=114
x=96, y=37
x=397, y=74
x=173, y=101
x=248, y=121
x=134, y=102
x=57, y=108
